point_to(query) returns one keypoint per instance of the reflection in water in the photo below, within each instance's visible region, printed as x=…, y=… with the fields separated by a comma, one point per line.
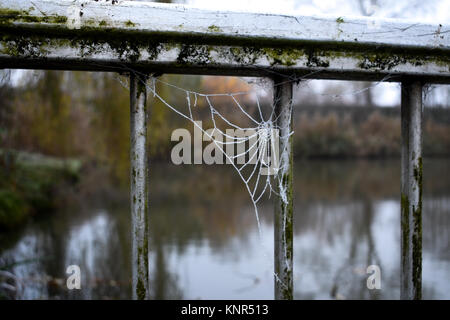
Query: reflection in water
x=205, y=244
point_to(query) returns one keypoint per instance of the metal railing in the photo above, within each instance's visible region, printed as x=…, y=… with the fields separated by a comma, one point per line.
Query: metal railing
x=122, y=36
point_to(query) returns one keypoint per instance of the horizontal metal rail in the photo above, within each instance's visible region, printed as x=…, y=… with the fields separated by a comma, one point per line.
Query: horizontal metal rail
x=101, y=36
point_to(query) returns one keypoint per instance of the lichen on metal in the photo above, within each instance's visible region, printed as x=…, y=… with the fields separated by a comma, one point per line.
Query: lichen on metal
x=91, y=35
x=139, y=187
x=411, y=191
x=283, y=217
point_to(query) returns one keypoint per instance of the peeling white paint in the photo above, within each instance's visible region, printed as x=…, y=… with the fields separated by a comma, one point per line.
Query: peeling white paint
x=148, y=16
x=224, y=29
x=73, y=17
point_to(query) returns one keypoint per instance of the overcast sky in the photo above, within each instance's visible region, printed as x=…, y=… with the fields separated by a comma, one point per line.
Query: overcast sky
x=423, y=11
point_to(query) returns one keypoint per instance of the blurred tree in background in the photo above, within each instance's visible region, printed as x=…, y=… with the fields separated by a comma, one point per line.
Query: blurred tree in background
x=85, y=115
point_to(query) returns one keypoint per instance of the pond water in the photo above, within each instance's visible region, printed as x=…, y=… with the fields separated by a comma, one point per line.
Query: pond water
x=205, y=243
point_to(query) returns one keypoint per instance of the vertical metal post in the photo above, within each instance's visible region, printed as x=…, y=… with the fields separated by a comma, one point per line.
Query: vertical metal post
x=411, y=191
x=139, y=186
x=283, y=237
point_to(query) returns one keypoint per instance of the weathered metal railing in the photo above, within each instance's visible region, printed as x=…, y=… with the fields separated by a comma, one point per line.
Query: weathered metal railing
x=157, y=38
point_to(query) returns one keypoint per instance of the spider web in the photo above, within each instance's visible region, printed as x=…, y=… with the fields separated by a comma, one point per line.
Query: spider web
x=259, y=150
x=257, y=147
